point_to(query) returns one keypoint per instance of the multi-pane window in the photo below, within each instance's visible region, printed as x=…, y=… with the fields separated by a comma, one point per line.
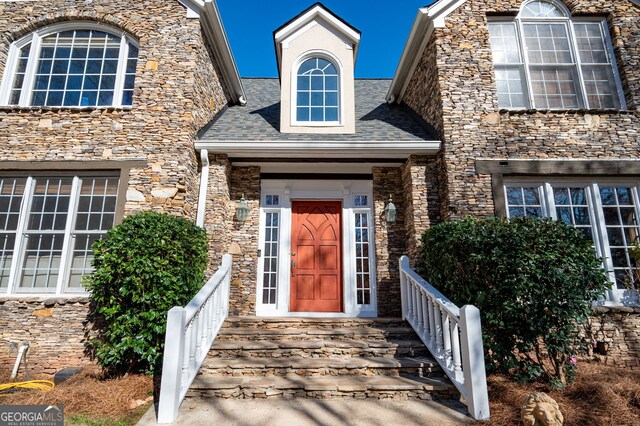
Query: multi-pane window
x=88, y=66
x=270, y=269
x=317, y=92
x=49, y=224
x=605, y=212
x=544, y=59
x=363, y=283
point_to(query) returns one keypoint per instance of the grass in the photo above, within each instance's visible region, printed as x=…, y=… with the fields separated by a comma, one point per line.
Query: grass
x=600, y=396
x=90, y=399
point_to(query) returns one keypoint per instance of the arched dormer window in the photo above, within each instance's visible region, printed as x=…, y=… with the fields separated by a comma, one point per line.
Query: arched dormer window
x=317, y=92
x=546, y=59
x=74, y=64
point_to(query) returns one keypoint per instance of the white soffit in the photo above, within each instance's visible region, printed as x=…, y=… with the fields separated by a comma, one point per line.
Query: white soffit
x=427, y=19
x=316, y=12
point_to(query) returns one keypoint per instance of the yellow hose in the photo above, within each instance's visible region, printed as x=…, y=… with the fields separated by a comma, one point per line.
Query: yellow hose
x=43, y=385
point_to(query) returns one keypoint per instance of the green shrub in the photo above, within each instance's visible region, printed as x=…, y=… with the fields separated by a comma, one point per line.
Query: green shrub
x=144, y=266
x=533, y=281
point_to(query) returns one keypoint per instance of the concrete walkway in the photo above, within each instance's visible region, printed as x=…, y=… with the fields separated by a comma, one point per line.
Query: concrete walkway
x=308, y=412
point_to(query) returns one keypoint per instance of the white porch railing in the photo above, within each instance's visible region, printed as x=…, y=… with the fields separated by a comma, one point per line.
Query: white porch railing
x=452, y=334
x=190, y=333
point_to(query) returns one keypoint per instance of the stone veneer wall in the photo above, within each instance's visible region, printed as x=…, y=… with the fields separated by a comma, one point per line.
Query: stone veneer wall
x=178, y=90
x=54, y=328
x=390, y=239
x=245, y=181
x=454, y=89
x=420, y=198
x=615, y=332
x=218, y=214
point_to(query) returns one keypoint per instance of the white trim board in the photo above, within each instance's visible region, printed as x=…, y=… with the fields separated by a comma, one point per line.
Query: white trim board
x=320, y=149
x=288, y=190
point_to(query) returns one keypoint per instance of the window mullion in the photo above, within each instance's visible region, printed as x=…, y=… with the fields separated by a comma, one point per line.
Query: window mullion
x=66, y=244
x=18, y=251
x=549, y=201
x=121, y=71
x=13, y=58
x=525, y=61
x=578, y=65
x=602, y=231
x=30, y=71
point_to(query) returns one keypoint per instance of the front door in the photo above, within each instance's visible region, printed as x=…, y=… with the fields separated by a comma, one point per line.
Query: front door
x=316, y=256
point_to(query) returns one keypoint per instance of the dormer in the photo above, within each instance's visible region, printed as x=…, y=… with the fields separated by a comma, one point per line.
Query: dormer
x=316, y=53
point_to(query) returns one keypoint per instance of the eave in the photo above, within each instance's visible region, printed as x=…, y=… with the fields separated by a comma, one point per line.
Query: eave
x=426, y=21
x=320, y=149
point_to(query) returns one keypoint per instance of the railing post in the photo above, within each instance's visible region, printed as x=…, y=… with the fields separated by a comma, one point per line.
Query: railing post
x=169, y=401
x=404, y=262
x=475, y=380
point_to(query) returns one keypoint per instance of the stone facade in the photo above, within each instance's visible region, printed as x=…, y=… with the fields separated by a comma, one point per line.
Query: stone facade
x=245, y=181
x=178, y=90
x=55, y=328
x=420, y=197
x=454, y=90
x=615, y=333
x=390, y=239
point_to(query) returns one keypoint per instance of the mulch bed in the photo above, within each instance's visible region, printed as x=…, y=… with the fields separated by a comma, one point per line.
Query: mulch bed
x=601, y=395
x=89, y=392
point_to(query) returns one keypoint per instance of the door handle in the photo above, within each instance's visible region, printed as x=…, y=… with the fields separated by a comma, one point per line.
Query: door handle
x=293, y=266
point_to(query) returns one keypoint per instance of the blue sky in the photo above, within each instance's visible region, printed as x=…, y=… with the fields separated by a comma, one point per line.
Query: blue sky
x=385, y=26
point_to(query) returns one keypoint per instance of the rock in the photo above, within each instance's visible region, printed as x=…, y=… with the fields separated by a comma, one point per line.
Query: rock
x=134, y=195
x=539, y=409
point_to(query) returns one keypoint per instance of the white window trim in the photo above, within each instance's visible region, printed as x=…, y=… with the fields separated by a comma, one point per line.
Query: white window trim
x=62, y=289
x=35, y=38
x=289, y=191
x=323, y=54
x=568, y=21
x=596, y=215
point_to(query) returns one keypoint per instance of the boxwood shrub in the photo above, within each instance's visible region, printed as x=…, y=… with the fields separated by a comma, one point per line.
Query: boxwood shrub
x=143, y=267
x=534, y=282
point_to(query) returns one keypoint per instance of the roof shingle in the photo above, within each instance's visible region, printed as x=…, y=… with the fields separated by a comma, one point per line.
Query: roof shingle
x=259, y=120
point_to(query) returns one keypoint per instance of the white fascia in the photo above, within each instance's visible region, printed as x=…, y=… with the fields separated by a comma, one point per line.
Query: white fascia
x=193, y=7
x=320, y=149
x=215, y=33
x=427, y=19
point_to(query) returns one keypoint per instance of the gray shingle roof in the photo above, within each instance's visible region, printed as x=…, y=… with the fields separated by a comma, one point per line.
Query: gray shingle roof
x=259, y=120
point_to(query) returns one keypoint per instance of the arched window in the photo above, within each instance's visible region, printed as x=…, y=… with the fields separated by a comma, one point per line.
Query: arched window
x=317, y=92
x=545, y=59
x=76, y=64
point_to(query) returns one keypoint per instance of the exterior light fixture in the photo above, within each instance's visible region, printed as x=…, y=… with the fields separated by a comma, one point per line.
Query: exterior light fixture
x=242, y=211
x=390, y=211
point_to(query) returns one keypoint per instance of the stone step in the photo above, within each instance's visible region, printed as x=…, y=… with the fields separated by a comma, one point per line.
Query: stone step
x=317, y=348
x=364, y=333
x=359, y=387
x=288, y=322
x=343, y=366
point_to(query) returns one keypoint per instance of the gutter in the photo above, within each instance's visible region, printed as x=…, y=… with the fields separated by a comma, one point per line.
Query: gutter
x=204, y=184
x=215, y=33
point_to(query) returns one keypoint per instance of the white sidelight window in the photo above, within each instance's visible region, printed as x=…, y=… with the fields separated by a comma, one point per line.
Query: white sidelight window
x=270, y=258
x=546, y=59
x=605, y=211
x=362, y=246
x=79, y=64
x=49, y=224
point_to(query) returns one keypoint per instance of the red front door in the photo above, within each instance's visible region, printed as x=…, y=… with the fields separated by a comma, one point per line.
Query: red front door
x=316, y=253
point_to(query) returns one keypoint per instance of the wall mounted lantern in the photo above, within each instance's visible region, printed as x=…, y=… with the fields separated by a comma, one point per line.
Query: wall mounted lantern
x=390, y=211
x=242, y=211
